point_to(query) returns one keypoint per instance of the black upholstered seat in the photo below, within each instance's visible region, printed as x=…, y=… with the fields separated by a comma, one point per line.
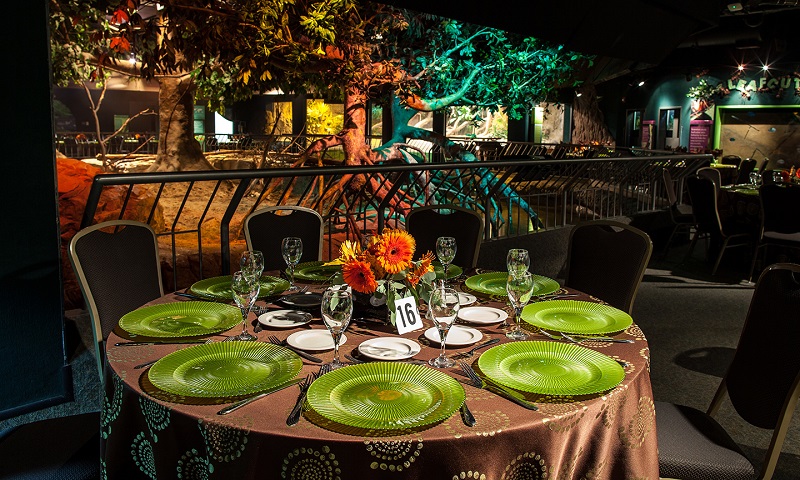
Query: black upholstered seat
x=265, y=228
x=607, y=259
x=762, y=383
x=119, y=270
x=428, y=223
x=680, y=214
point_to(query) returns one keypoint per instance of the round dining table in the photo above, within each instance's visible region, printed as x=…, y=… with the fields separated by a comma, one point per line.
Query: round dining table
x=148, y=433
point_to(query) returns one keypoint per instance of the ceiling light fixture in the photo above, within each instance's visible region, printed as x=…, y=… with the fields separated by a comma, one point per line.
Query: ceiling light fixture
x=765, y=68
x=740, y=68
x=641, y=83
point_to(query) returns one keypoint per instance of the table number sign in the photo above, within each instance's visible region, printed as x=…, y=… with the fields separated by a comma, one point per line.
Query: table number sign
x=407, y=317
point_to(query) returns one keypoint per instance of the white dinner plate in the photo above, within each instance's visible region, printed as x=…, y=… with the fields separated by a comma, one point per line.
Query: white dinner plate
x=482, y=315
x=284, y=318
x=313, y=340
x=466, y=299
x=458, y=336
x=389, y=348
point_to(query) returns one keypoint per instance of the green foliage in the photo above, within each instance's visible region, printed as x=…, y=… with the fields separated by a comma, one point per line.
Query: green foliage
x=705, y=91
x=321, y=119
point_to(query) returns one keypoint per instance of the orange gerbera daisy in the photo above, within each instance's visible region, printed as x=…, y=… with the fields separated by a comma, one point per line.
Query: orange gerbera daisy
x=421, y=267
x=395, y=250
x=358, y=275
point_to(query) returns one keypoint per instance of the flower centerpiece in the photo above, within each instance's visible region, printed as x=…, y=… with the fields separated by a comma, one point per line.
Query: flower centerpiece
x=384, y=268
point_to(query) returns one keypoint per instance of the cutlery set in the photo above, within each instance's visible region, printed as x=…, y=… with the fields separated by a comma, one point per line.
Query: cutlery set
x=477, y=381
x=577, y=339
x=297, y=411
x=282, y=343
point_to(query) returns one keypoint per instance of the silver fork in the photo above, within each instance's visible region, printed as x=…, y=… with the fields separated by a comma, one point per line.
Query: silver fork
x=297, y=411
x=477, y=381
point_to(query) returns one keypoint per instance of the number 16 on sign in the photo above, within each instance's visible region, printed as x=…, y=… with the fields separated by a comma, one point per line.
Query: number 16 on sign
x=407, y=315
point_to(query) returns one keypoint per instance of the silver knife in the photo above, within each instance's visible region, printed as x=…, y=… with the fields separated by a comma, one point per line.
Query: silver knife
x=307, y=356
x=136, y=344
x=241, y=403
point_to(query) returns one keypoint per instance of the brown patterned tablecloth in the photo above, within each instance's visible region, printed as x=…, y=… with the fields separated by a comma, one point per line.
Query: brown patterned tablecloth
x=148, y=434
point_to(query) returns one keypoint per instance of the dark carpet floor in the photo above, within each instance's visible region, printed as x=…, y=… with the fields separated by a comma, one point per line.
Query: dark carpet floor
x=692, y=321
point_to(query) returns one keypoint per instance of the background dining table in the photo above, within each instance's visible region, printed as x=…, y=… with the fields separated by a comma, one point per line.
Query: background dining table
x=149, y=433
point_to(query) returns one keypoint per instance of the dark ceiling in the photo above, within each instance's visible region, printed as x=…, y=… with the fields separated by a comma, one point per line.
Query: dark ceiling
x=635, y=35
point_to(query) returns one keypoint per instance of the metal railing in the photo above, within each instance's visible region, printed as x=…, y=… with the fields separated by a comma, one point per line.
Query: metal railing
x=200, y=214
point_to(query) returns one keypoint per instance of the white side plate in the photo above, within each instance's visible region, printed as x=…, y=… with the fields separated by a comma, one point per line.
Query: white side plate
x=458, y=336
x=389, y=348
x=466, y=299
x=313, y=340
x=482, y=315
x=284, y=318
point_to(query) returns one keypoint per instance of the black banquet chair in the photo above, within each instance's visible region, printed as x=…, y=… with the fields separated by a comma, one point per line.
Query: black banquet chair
x=703, y=193
x=430, y=222
x=780, y=223
x=607, y=259
x=118, y=269
x=265, y=229
x=762, y=384
x=680, y=214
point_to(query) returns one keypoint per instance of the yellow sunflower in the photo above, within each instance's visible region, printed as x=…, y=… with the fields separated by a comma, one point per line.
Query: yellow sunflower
x=358, y=275
x=395, y=250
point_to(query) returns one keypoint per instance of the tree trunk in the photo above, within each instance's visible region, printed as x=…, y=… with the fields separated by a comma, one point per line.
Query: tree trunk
x=177, y=148
x=589, y=125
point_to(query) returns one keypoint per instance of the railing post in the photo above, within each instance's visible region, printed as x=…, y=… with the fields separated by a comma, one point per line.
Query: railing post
x=225, y=225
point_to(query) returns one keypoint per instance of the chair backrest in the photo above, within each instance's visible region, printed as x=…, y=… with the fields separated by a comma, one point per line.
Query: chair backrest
x=428, y=223
x=731, y=160
x=669, y=187
x=745, y=168
x=766, y=365
x=712, y=174
x=778, y=208
x=118, y=269
x=704, y=204
x=607, y=259
x=265, y=229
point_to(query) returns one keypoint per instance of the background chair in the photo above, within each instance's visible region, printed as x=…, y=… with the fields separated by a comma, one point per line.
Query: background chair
x=745, y=168
x=118, y=269
x=607, y=259
x=428, y=223
x=711, y=174
x=704, y=205
x=680, y=214
x=731, y=160
x=265, y=228
x=762, y=383
x=780, y=222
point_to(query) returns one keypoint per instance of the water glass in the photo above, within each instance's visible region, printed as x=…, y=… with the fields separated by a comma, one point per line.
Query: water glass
x=443, y=305
x=337, y=309
x=755, y=178
x=446, y=252
x=520, y=289
x=292, y=250
x=245, y=292
x=252, y=264
x=518, y=261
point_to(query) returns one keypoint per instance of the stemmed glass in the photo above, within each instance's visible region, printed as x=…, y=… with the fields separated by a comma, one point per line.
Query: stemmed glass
x=520, y=289
x=292, y=249
x=245, y=291
x=337, y=308
x=518, y=261
x=443, y=306
x=252, y=264
x=446, y=252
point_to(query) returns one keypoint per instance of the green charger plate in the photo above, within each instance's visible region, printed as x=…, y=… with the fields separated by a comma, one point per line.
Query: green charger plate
x=181, y=319
x=452, y=271
x=551, y=368
x=385, y=396
x=219, y=288
x=315, y=271
x=224, y=369
x=573, y=316
x=494, y=283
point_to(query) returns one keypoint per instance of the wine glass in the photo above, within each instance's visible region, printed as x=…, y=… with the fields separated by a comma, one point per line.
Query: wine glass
x=518, y=261
x=520, y=289
x=292, y=249
x=245, y=291
x=337, y=308
x=443, y=306
x=446, y=252
x=252, y=264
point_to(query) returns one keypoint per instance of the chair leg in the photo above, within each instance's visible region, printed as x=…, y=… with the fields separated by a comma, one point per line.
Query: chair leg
x=719, y=257
x=753, y=263
x=669, y=241
x=691, y=246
